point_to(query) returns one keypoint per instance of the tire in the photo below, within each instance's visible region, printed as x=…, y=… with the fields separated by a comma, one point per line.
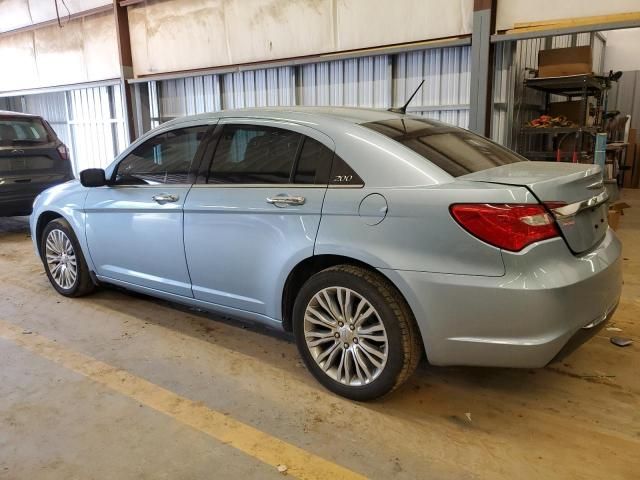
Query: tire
x=328, y=344
x=58, y=239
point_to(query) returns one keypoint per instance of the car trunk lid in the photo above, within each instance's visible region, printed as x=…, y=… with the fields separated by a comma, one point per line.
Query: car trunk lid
x=574, y=193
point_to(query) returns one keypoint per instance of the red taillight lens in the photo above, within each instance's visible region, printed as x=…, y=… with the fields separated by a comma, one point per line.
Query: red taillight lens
x=63, y=151
x=507, y=226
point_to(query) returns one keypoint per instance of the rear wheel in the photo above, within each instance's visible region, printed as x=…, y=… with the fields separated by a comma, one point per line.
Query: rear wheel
x=63, y=260
x=355, y=332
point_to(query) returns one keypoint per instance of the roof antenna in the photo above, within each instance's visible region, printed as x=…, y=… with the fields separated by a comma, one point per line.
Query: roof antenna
x=403, y=109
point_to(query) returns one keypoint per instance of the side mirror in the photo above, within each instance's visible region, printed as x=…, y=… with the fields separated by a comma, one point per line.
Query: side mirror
x=93, y=177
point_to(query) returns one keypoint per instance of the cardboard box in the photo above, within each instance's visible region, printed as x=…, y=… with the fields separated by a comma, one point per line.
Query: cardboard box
x=559, y=62
x=614, y=218
x=616, y=210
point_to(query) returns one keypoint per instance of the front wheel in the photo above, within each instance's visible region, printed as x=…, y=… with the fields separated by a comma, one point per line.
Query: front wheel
x=63, y=260
x=355, y=332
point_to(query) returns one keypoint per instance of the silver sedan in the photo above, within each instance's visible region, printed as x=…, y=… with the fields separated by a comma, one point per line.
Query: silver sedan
x=372, y=235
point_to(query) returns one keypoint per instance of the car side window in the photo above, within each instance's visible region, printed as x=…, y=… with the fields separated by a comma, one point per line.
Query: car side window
x=254, y=154
x=163, y=159
x=314, y=163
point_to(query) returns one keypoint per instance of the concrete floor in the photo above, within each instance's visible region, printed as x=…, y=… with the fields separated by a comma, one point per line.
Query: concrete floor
x=117, y=385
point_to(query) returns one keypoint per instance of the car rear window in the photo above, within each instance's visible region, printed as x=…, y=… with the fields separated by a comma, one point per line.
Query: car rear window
x=22, y=131
x=456, y=151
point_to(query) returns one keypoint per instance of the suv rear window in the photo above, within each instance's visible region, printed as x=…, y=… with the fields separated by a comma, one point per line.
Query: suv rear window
x=22, y=131
x=456, y=151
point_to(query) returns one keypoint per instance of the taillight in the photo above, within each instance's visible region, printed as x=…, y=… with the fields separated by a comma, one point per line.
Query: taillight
x=508, y=226
x=63, y=151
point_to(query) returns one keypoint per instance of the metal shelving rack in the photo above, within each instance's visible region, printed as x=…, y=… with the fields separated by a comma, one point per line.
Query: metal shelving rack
x=571, y=87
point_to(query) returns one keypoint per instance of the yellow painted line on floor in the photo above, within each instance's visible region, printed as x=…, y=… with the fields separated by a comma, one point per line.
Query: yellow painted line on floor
x=266, y=448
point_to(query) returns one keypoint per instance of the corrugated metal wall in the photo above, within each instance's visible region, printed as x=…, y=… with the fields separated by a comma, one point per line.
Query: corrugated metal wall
x=378, y=81
x=269, y=87
x=89, y=121
x=445, y=94
x=356, y=82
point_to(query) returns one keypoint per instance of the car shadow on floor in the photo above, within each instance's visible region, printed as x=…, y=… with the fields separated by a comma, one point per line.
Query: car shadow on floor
x=12, y=225
x=277, y=349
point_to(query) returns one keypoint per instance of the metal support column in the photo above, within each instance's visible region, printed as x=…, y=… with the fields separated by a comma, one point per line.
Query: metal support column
x=484, y=12
x=126, y=65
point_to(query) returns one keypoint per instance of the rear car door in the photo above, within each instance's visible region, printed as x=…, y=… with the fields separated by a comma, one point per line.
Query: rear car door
x=255, y=212
x=32, y=159
x=134, y=225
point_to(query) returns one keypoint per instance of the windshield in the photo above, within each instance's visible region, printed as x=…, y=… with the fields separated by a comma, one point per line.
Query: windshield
x=22, y=130
x=456, y=151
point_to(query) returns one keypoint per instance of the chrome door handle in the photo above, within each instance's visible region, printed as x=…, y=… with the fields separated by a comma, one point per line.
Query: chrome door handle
x=283, y=200
x=163, y=198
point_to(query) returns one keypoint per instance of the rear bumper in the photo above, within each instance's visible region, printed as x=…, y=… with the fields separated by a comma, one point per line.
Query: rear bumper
x=19, y=201
x=522, y=319
x=16, y=205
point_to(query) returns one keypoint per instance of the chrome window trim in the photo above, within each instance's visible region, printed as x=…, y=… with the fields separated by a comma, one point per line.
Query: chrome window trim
x=568, y=211
x=270, y=185
x=157, y=185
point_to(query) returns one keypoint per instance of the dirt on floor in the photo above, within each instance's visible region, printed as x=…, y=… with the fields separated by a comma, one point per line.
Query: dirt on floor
x=576, y=419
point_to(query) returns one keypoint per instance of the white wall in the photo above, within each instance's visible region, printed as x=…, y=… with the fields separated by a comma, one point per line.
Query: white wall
x=169, y=35
x=83, y=50
x=518, y=11
x=623, y=50
x=23, y=13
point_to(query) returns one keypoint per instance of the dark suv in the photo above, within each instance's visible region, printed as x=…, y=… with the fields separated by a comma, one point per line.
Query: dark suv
x=32, y=159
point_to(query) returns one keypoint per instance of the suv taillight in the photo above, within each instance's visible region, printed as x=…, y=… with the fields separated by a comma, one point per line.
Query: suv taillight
x=63, y=151
x=508, y=226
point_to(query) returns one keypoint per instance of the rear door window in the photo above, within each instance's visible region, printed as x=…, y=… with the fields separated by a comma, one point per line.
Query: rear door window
x=255, y=154
x=456, y=151
x=314, y=163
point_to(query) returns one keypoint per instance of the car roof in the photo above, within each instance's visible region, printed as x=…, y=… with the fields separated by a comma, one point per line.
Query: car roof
x=350, y=115
x=8, y=113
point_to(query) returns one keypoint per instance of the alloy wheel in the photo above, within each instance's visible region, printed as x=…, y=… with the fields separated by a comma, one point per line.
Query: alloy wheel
x=345, y=336
x=61, y=259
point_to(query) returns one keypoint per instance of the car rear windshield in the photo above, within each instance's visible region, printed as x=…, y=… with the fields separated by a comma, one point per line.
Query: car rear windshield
x=22, y=131
x=456, y=151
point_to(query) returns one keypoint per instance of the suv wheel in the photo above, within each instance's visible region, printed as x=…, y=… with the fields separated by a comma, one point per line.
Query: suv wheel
x=63, y=260
x=355, y=332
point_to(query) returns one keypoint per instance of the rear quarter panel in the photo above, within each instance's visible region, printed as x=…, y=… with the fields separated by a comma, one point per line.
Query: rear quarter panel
x=418, y=232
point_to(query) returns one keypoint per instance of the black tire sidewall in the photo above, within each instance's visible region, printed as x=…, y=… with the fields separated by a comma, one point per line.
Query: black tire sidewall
x=63, y=225
x=395, y=359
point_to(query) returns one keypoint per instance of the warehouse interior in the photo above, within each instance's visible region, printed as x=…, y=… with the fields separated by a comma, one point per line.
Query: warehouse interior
x=122, y=385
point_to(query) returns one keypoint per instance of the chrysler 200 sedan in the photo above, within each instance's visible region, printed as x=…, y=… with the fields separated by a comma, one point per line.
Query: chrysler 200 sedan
x=373, y=236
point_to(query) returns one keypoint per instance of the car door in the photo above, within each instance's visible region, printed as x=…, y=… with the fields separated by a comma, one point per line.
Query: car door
x=256, y=212
x=134, y=225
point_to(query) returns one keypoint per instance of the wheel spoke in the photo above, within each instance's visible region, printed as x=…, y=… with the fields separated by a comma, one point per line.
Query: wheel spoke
x=334, y=353
x=363, y=316
x=329, y=305
x=320, y=319
x=357, y=366
x=327, y=352
x=362, y=363
x=316, y=338
x=376, y=363
x=369, y=349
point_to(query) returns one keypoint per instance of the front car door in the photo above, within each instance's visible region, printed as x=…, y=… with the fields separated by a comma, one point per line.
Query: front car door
x=256, y=212
x=134, y=225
